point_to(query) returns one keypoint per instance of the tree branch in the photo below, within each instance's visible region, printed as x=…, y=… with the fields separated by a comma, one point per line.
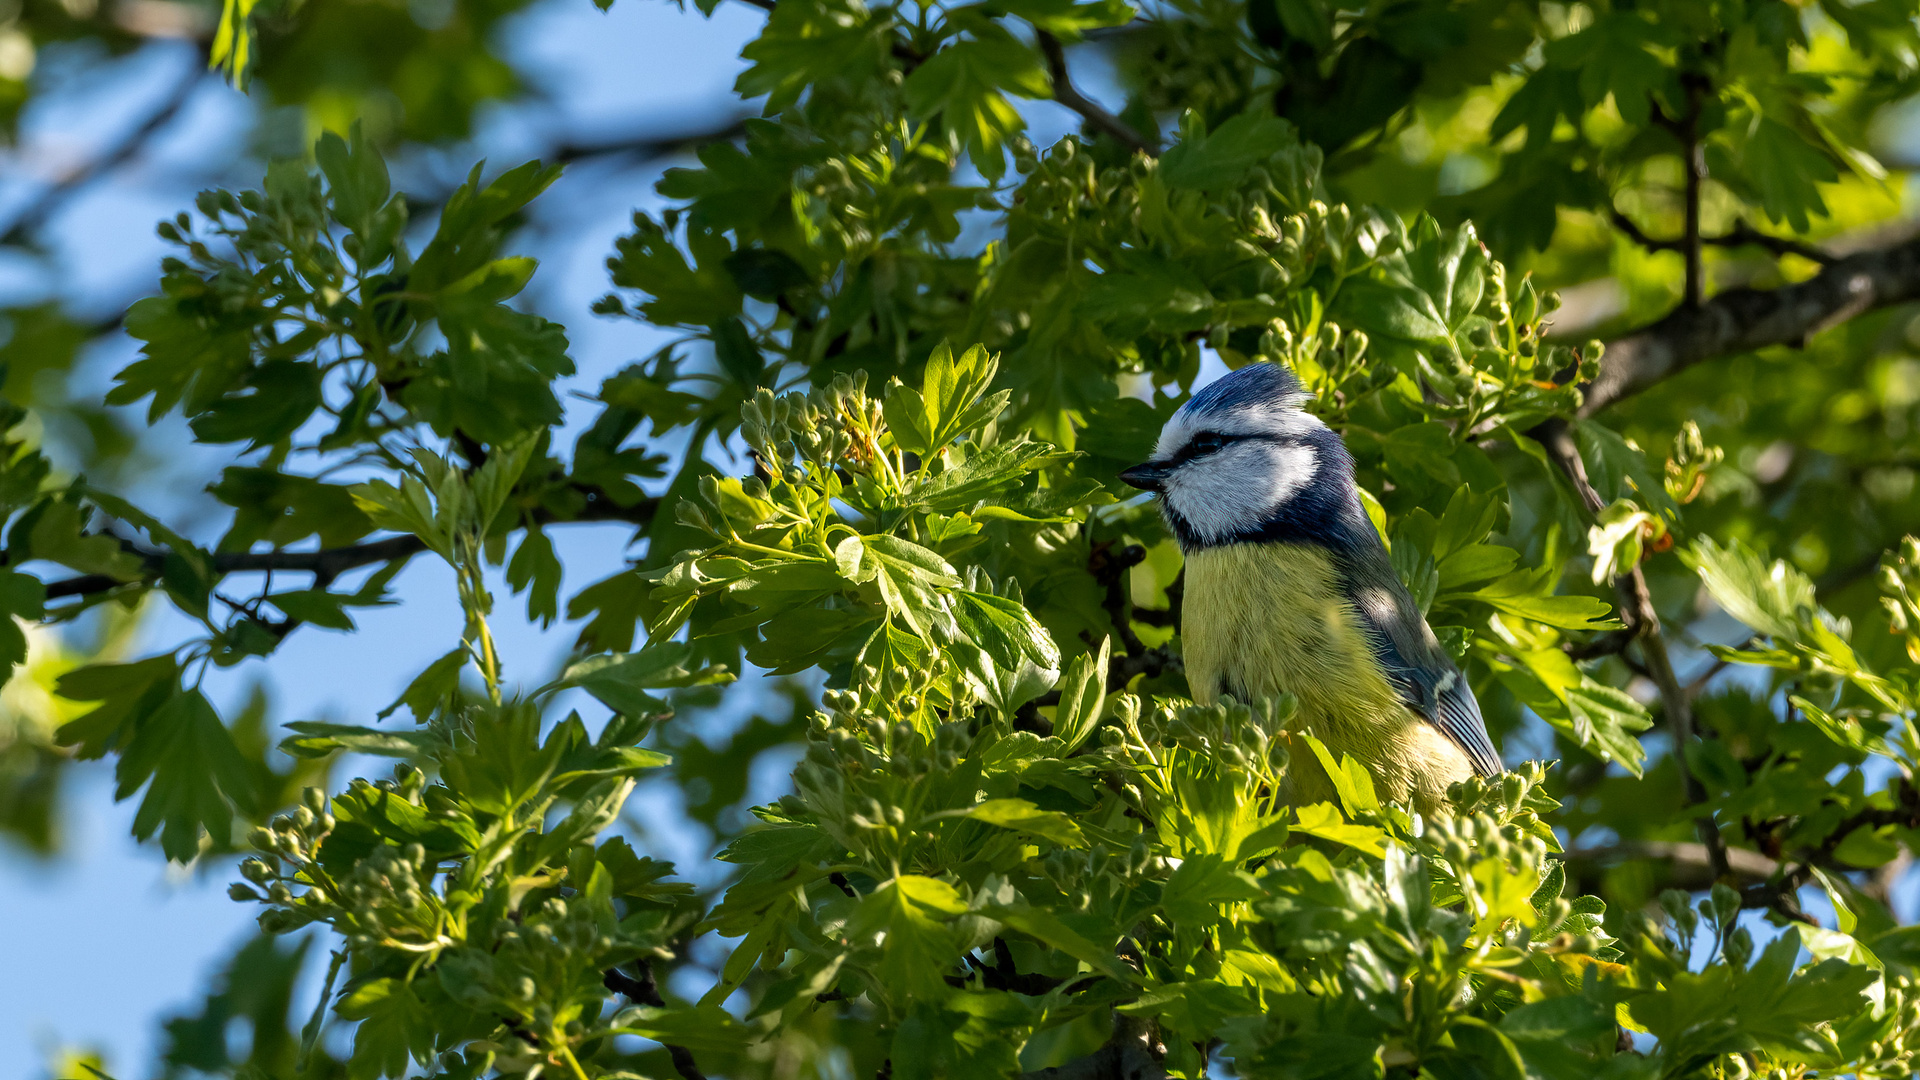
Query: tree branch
x=1694, y=160
x=1743, y=320
x=328, y=563
x=644, y=991
x=1096, y=116
x=1637, y=605
x=1109, y=566
x=645, y=147
x=1744, y=865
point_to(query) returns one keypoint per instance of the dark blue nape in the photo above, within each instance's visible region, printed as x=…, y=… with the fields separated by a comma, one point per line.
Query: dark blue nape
x=1259, y=385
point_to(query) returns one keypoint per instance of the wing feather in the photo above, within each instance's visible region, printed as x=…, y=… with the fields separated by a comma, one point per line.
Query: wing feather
x=1426, y=678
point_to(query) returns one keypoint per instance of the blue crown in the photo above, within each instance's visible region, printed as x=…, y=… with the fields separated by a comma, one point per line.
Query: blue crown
x=1262, y=385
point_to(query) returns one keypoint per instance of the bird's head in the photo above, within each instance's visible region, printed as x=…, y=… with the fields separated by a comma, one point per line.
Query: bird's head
x=1241, y=455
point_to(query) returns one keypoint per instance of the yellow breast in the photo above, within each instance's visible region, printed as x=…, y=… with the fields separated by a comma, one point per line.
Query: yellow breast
x=1262, y=619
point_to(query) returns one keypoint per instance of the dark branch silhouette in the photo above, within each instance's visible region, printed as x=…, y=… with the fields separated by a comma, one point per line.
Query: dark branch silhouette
x=1096, y=116
x=644, y=991
x=327, y=563
x=1741, y=235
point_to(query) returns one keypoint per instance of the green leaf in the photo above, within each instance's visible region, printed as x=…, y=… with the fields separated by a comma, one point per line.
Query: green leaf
x=984, y=475
x=328, y=609
x=951, y=391
x=1844, y=916
x=1614, y=59
x=1022, y=816
x=1200, y=885
x=196, y=776
x=284, y=395
x=620, y=680
x=1004, y=629
x=650, y=259
x=1608, y=720
x=1784, y=169
x=493, y=482
x=965, y=85
x=804, y=44
x=700, y=1028
x=1774, y=599
x=913, y=912
x=431, y=687
x=1619, y=470
x=21, y=597
x=408, y=508
x=56, y=531
x=1602, y=719
x=395, y=1029
x=535, y=568
x=1324, y=821
x=1083, y=694
x=906, y=415
x=1195, y=1008
x=128, y=695
x=1044, y=926
x=1350, y=779
x=359, y=193
x=1209, y=162
x=317, y=738
x=1528, y=594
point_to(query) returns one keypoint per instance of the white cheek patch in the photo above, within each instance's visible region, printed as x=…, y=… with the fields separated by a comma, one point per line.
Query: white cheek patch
x=1238, y=488
x=1284, y=422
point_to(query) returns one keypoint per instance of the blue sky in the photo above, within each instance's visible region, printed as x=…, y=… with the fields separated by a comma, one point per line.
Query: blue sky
x=105, y=941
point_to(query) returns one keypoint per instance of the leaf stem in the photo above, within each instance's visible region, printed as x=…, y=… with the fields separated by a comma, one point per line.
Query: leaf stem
x=573, y=1062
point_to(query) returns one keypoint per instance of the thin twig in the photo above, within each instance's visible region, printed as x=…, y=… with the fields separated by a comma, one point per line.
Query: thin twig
x=1741, y=235
x=644, y=991
x=1745, y=865
x=1090, y=110
x=1109, y=565
x=1637, y=605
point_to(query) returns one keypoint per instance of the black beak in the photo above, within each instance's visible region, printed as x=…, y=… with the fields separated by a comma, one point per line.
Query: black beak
x=1149, y=476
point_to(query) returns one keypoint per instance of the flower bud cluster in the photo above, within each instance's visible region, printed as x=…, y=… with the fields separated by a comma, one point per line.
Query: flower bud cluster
x=1518, y=796
x=1236, y=736
x=1900, y=593
x=1896, y=1044
x=1688, y=463
x=295, y=836
x=1104, y=876
x=389, y=896
x=541, y=970
x=830, y=425
x=1465, y=839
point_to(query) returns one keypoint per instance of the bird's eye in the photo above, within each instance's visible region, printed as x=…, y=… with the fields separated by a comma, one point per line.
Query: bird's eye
x=1207, y=442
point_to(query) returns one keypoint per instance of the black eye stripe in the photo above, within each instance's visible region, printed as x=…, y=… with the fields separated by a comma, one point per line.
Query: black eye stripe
x=1204, y=443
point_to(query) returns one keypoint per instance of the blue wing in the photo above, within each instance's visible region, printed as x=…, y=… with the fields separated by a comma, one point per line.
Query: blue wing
x=1413, y=661
x=1442, y=696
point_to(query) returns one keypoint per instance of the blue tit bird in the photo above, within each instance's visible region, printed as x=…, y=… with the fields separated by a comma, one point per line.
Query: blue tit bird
x=1289, y=589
